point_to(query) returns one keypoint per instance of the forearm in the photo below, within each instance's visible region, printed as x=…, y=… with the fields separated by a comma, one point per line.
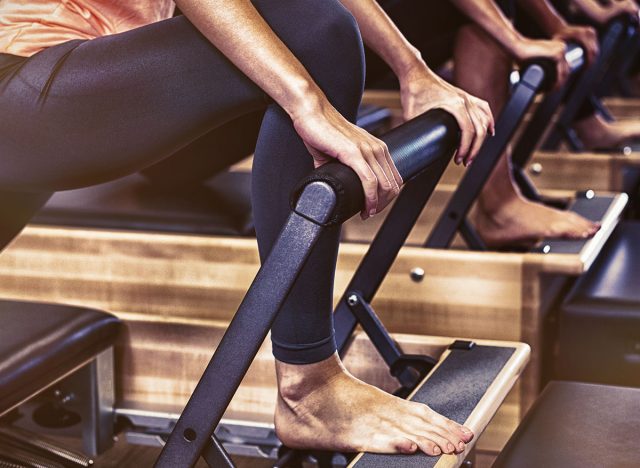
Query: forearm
x=543, y=13
x=235, y=27
x=591, y=8
x=384, y=38
x=487, y=15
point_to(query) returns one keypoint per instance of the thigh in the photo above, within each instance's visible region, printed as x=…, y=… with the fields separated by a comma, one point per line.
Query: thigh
x=85, y=112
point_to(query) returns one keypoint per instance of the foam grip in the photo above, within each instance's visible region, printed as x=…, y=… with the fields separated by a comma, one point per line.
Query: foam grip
x=574, y=56
x=625, y=19
x=414, y=147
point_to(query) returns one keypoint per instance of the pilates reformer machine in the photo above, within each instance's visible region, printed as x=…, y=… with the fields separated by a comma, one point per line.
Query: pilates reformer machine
x=421, y=149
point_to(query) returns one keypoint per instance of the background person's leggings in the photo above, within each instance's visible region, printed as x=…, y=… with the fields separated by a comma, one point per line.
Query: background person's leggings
x=85, y=112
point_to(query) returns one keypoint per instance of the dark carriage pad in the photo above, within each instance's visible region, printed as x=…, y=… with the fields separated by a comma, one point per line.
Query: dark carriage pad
x=453, y=390
x=593, y=209
x=219, y=206
x=599, y=321
x=614, y=278
x=577, y=425
x=40, y=343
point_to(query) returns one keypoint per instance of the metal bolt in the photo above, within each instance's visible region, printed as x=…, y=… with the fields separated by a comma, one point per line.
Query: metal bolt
x=627, y=151
x=589, y=194
x=352, y=300
x=536, y=169
x=417, y=274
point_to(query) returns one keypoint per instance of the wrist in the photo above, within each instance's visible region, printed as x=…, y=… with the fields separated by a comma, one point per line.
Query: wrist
x=302, y=98
x=409, y=65
x=520, y=48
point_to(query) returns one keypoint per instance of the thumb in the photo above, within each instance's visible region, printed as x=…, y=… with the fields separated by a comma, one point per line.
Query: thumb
x=319, y=158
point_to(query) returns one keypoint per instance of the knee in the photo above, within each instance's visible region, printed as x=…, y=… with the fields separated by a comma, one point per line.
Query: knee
x=339, y=66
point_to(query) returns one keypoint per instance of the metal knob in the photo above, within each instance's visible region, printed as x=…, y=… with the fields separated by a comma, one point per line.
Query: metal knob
x=536, y=169
x=417, y=274
x=352, y=300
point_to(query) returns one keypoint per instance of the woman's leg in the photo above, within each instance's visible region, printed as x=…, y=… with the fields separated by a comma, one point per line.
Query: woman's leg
x=208, y=155
x=85, y=112
x=320, y=404
x=505, y=217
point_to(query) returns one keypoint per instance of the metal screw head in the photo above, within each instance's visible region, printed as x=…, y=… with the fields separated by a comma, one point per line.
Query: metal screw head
x=536, y=169
x=627, y=151
x=417, y=274
x=352, y=300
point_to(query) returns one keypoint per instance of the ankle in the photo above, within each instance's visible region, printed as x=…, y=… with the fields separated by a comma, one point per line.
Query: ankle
x=297, y=381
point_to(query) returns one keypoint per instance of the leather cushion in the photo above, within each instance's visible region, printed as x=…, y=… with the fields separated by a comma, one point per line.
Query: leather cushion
x=612, y=281
x=221, y=206
x=40, y=343
x=577, y=425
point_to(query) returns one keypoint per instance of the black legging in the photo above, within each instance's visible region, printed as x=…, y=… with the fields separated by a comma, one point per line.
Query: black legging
x=85, y=112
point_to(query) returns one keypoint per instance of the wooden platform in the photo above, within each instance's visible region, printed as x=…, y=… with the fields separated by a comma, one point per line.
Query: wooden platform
x=562, y=170
x=177, y=292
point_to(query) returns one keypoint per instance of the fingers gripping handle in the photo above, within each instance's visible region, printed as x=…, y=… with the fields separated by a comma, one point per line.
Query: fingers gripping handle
x=575, y=57
x=414, y=146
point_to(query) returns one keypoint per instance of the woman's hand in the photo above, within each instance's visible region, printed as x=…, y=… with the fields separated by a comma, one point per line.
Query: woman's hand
x=529, y=49
x=327, y=134
x=422, y=90
x=619, y=7
x=583, y=35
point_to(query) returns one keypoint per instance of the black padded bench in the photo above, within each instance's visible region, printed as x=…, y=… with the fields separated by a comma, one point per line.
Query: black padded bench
x=42, y=344
x=599, y=322
x=577, y=425
x=218, y=206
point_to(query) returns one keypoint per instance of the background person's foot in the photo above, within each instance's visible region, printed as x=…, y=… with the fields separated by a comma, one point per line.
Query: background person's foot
x=599, y=134
x=522, y=223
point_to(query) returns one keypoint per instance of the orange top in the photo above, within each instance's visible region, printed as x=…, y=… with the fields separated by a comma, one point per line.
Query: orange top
x=28, y=26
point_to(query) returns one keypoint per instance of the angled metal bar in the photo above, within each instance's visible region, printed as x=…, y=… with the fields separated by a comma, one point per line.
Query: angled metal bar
x=383, y=251
x=476, y=176
x=248, y=329
x=584, y=86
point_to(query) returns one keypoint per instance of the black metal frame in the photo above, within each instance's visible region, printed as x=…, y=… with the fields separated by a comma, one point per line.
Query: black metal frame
x=427, y=142
x=454, y=217
x=586, y=87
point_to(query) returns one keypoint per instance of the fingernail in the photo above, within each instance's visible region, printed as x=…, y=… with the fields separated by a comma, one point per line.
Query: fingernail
x=450, y=447
x=436, y=451
x=461, y=446
x=414, y=447
x=372, y=213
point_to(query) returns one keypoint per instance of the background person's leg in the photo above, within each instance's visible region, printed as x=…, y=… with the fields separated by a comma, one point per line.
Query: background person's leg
x=505, y=217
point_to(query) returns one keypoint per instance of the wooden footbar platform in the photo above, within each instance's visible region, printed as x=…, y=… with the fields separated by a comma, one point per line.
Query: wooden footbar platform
x=466, y=386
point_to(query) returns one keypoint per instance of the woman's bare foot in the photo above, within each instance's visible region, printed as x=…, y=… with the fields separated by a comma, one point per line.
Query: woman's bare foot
x=522, y=223
x=321, y=406
x=597, y=133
